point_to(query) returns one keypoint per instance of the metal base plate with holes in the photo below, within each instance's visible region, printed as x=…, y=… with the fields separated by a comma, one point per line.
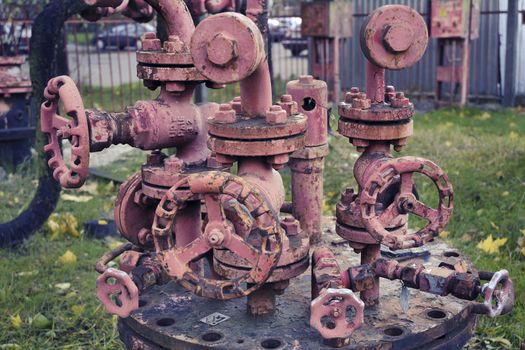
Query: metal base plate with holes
x=172, y=318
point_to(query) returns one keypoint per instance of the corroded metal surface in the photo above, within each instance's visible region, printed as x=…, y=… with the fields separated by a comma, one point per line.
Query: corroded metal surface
x=170, y=317
x=57, y=128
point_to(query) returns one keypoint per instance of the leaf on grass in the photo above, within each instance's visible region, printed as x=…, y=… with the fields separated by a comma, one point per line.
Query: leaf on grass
x=62, y=224
x=444, y=234
x=513, y=135
x=484, y=116
x=78, y=310
x=16, y=321
x=466, y=237
x=41, y=322
x=27, y=273
x=494, y=226
x=521, y=242
x=504, y=193
x=63, y=286
x=10, y=346
x=500, y=174
x=76, y=198
x=68, y=258
x=490, y=245
x=505, y=342
x=91, y=187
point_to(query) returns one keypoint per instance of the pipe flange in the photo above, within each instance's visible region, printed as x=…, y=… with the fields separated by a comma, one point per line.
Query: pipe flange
x=394, y=37
x=227, y=47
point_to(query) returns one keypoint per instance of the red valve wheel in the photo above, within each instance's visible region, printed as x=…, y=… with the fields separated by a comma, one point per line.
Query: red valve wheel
x=124, y=290
x=497, y=301
x=262, y=253
x=405, y=202
x=333, y=303
x=57, y=128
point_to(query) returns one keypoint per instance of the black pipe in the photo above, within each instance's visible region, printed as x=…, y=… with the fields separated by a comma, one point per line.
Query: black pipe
x=47, y=59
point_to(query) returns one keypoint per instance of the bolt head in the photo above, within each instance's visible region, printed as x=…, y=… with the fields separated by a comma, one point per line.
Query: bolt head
x=290, y=226
x=306, y=79
x=222, y=50
x=276, y=115
x=398, y=37
x=215, y=237
x=225, y=114
x=174, y=45
x=286, y=98
x=174, y=164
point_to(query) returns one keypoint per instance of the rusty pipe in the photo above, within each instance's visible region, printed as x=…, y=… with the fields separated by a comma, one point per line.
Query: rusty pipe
x=256, y=91
x=176, y=16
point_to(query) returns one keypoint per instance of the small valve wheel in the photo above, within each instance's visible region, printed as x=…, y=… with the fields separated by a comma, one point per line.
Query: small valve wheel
x=498, y=301
x=262, y=251
x=328, y=313
x=124, y=291
x=405, y=202
x=57, y=128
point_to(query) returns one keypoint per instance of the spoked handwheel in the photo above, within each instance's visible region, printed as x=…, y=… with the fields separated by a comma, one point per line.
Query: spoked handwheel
x=57, y=128
x=405, y=202
x=262, y=253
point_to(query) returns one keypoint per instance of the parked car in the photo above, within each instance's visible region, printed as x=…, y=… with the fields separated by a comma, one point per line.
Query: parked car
x=279, y=26
x=293, y=39
x=122, y=36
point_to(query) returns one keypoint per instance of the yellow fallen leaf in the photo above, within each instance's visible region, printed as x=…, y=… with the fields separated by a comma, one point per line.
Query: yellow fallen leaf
x=444, y=234
x=75, y=198
x=62, y=224
x=68, y=258
x=499, y=174
x=494, y=226
x=479, y=212
x=91, y=187
x=16, y=321
x=490, y=245
x=484, y=116
x=513, y=135
x=523, y=231
x=448, y=143
x=102, y=222
x=505, y=193
x=63, y=286
x=78, y=309
x=513, y=125
x=466, y=237
x=449, y=124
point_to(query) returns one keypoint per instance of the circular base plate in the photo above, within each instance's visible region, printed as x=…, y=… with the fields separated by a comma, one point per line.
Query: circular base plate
x=173, y=318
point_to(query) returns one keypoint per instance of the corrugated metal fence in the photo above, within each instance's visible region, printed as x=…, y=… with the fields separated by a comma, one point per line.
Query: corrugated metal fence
x=420, y=78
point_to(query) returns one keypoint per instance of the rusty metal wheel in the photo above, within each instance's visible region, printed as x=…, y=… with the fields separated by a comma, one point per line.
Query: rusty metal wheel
x=263, y=252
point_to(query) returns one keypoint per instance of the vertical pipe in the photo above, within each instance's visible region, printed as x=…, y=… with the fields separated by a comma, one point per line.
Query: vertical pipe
x=256, y=91
x=369, y=255
x=375, y=82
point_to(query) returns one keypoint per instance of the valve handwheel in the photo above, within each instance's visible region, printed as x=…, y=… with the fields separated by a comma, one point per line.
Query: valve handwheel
x=123, y=289
x=405, y=202
x=57, y=128
x=333, y=304
x=262, y=253
x=497, y=301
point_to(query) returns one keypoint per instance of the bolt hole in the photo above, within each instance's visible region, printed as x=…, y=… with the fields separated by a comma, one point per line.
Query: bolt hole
x=240, y=341
x=271, y=343
x=165, y=322
x=308, y=104
x=211, y=336
x=451, y=253
x=142, y=302
x=327, y=322
x=436, y=314
x=393, y=331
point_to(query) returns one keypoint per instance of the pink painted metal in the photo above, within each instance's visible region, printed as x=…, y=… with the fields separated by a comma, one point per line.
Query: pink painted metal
x=57, y=128
x=455, y=18
x=309, y=96
x=121, y=288
x=392, y=37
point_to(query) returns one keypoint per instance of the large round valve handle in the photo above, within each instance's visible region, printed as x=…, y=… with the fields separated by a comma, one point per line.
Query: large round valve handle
x=57, y=128
x=328, y=313
x=497, y=301
x=117, y=284
x=262, y=250
x=405, y=202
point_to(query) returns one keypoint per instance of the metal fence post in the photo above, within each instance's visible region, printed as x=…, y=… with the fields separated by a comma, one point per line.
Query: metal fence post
x=511, y=54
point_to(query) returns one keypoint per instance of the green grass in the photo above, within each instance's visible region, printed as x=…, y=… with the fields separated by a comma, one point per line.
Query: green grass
x=483, y=153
